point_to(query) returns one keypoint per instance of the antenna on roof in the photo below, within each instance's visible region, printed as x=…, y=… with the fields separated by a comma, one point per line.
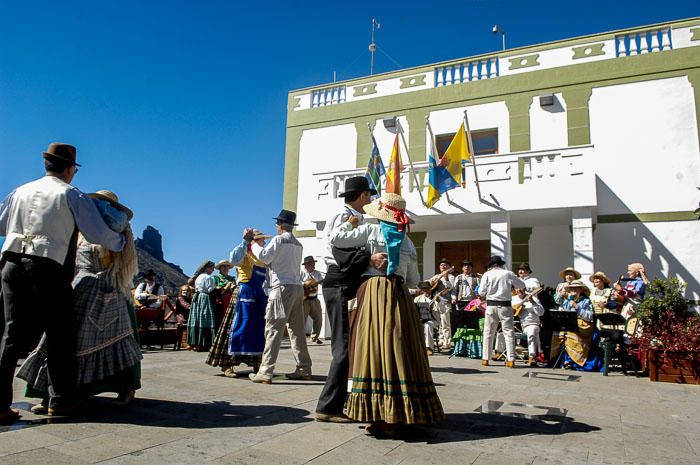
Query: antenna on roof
x=373, y=46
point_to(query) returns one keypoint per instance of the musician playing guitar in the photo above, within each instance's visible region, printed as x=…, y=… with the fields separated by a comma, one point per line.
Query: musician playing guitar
x=445, y=282
x=530, y=315
x=630, y=292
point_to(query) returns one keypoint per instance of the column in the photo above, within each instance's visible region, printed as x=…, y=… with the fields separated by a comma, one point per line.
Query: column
x=500, y=237
x=582, y=233
x=577, y=117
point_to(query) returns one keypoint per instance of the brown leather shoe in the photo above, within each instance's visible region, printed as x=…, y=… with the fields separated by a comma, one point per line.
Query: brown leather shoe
x=510, y=364
x=485, y=362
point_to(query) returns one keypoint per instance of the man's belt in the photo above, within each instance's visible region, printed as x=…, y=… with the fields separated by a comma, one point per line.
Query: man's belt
x=498, y=303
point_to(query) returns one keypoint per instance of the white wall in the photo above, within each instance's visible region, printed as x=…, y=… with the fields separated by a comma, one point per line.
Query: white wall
x=322, y=149
x=385, y=141
x=548, y=125
x=646, y=141
x=665, y=249
x=550, y=252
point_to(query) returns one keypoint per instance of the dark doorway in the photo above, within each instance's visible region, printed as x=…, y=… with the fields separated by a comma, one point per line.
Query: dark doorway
x=478, y=252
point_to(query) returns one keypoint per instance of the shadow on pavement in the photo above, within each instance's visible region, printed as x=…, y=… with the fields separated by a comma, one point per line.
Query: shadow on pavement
x=460, y=427
x=460, y=371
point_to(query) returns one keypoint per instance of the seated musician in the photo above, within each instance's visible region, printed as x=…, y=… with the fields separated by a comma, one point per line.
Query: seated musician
x=428, y=308
x=580, y=345
x=630, y=293
x=149, y=293
x=602, y=292
x=568, y=274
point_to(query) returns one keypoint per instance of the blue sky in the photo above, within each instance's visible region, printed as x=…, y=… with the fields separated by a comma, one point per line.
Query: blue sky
x=180, y=106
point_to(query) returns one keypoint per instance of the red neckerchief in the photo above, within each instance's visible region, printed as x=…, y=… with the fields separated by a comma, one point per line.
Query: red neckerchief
x=399, y=215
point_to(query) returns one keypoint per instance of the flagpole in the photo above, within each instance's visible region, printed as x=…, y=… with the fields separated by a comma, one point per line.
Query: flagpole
x=434, y=149
x=413, y=170
x=472, y=154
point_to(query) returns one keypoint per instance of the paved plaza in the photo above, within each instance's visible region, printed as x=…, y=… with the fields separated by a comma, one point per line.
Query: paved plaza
x=188, y=413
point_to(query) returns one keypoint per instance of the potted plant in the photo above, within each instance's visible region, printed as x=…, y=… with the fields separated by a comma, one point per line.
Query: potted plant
x=670, y=333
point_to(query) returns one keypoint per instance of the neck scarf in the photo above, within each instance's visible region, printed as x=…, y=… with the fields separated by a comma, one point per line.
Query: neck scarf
x=393, y=236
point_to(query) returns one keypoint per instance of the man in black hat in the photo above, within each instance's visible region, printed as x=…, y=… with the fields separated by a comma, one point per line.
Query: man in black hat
x=149, y=293
x=285, y=303
x=40, y=221
x=311, y=278
x=339, y=287
x=445, y=305
x=496, y=287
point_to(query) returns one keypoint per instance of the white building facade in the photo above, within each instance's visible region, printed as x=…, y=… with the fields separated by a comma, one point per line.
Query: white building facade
x=588, y=153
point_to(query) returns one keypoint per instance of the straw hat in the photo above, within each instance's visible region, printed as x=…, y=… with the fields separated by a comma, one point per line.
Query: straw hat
x=579, y=284
x=257, y=234
x=600, y=275
x=223, y=263
x=577, y=275
x=112, y=198
x=390, y=208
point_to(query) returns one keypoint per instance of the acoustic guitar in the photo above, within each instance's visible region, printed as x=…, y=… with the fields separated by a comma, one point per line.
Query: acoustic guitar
x=518, y=308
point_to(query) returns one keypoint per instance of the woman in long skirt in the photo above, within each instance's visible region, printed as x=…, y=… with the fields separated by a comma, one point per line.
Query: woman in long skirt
x=108, y=352
x=241, y=336
x=391, y=380
x=200, y=325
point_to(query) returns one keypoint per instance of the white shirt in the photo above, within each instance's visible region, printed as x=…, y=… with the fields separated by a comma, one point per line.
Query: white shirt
x=315, y=275
x=204, y=283
x=531, y=312
x=283, y=255
x=531, y=283
x=335, y=221
x=143, y=289
x=497, y=283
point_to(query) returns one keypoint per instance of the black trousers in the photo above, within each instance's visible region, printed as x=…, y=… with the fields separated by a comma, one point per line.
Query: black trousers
x=37, y=297
x=332, y=398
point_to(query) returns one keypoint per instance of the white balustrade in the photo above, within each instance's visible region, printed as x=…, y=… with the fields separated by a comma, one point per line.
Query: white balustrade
x=648, y=42
x=327, y=96
x=466, y=71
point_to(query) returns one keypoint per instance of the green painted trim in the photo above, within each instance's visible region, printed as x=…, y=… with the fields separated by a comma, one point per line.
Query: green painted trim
x=519, y=116
x=654, y=217
x=577, y=115
x=305, y=232
x=524, y=61
x=367, y=89
x=364, y=142
x=586, y=51
x=581, y=40
x=291, y=169
x=418, y=239
x=519, y=246
x=521, y=171
x=695, y=34
x=416, y=134
x=412, y=81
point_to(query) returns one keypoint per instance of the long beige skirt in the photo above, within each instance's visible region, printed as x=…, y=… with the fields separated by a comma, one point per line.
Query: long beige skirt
x=390, y=375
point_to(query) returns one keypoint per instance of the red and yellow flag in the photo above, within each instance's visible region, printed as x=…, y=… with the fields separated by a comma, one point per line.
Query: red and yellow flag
x=393, y=172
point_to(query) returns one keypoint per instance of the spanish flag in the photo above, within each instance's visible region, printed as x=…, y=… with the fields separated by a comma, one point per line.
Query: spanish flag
x=393, y=173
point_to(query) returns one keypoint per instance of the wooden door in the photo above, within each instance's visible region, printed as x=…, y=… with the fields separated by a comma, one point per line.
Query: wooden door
x=478, y=252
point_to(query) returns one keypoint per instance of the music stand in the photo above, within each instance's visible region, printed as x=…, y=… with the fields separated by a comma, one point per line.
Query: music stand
x=610, y=318
x=563, y=320
x=471, y=319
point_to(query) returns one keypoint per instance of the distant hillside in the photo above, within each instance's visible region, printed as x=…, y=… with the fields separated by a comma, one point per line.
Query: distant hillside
x=149, y=249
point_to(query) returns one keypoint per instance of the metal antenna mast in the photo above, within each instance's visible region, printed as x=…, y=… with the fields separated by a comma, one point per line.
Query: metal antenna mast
x=373, y=46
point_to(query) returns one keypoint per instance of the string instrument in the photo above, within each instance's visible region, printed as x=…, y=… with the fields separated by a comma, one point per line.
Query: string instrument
x=310, y=288
x=518, y=308
x=619, y=295
x=436, y=283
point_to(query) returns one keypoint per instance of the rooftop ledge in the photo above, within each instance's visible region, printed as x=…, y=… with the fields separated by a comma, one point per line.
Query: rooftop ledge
x=642, y=40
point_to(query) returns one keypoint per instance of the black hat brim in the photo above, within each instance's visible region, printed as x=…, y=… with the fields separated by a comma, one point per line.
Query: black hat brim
x=284, y=220
x=54, y=157
x=371, y=191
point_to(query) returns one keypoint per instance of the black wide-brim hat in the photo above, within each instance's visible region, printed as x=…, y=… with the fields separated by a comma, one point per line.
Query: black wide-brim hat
x=287, y=217
x=308, y=259
x=357, y=184
x=495, y=261
x=61, y=152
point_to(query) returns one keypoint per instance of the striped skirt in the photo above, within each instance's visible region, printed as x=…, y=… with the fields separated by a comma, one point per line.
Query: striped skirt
x=390, y=375
x=218, y=354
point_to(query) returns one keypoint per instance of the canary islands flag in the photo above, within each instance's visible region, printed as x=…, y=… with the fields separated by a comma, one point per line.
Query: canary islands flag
x=375, y=169
x=447, y=173
x=393, y=174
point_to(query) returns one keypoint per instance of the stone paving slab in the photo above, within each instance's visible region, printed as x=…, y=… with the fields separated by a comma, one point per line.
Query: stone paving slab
x=188, y=413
